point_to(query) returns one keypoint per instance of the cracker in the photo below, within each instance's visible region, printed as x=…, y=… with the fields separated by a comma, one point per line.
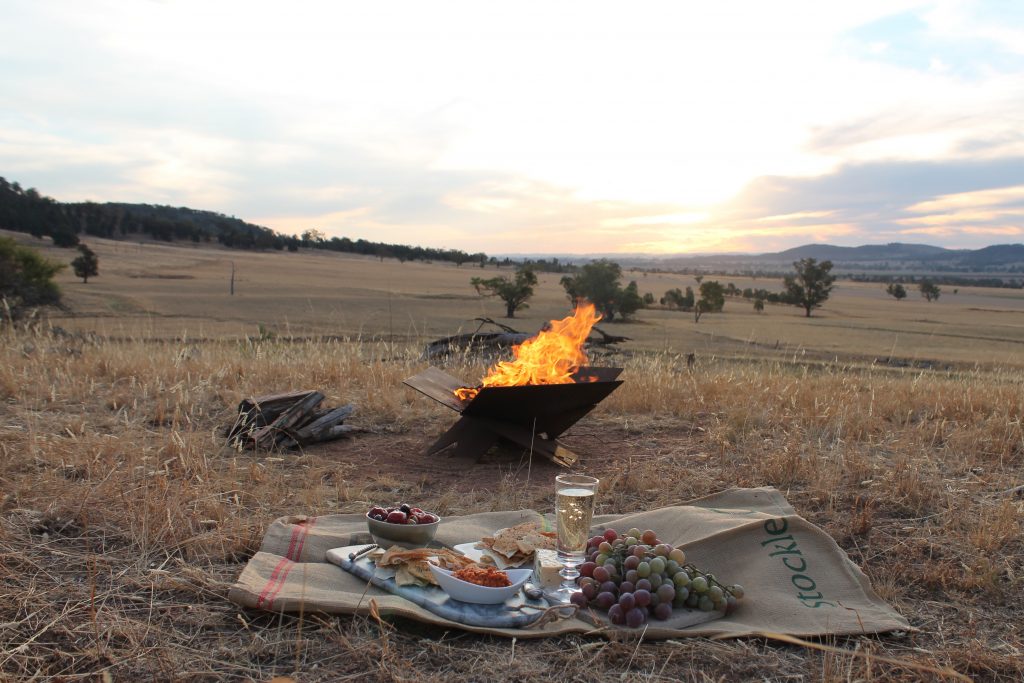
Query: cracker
x=506, y=541
x=405, y=577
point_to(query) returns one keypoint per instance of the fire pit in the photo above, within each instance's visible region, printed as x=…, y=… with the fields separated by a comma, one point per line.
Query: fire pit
x=529, y=401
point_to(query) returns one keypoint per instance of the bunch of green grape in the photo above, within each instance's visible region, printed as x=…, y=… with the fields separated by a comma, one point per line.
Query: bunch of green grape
x=634, y=576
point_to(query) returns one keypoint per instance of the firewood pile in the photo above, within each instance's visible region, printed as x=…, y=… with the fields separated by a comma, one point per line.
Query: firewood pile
x=290, y=420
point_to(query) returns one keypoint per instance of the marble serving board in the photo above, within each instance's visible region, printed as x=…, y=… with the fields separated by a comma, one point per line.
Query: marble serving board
x=518, y=611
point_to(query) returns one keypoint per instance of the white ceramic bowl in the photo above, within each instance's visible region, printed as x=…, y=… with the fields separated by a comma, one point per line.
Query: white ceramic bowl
x=481, y=595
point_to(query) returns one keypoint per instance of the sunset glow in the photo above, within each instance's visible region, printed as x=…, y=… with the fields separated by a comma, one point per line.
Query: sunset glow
x=568, y=128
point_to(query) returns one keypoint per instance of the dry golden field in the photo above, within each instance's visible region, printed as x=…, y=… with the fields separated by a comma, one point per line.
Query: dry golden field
x=123, y=517
x=156, y=290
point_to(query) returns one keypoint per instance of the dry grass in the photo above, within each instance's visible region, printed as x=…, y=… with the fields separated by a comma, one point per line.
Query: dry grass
x=171, y=291
x=123, y=519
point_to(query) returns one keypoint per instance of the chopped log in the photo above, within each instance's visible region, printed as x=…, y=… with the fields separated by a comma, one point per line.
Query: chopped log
x=328, y=434
x=288, y=420
x=259, y=411
x=298, y=413
x=319, y=429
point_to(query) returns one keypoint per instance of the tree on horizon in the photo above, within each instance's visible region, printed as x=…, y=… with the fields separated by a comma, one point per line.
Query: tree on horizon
x=513, y=291
x=811, y=285
x=86, y=264
x=712, y=299
x=896, y=291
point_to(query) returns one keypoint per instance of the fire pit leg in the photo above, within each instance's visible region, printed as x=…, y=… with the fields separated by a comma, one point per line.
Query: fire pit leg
x=471, y=439
x=474, y=436
x=547, y=447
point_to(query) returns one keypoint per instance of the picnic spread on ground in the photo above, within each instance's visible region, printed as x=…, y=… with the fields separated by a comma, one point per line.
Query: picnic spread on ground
x=739, y=562
x=797, y=580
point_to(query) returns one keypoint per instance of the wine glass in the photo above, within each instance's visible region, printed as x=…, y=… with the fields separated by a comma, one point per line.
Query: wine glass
x=574, y=509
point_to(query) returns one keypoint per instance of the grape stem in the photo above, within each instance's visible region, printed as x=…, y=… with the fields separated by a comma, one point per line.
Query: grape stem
x=712, y=581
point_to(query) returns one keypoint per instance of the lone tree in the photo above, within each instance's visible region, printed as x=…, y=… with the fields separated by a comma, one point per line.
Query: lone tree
x=712, y=299
x=759, y=305
x=811, y=284
x=896, y=291
x=514, y=292
x=86, y=264
x=598, y=283
x=26, y=280
x=929, y=290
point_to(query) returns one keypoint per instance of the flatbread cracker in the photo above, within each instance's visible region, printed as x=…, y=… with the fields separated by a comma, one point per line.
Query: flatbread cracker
x=514, y=546
x=404, y=576
x=411, y=565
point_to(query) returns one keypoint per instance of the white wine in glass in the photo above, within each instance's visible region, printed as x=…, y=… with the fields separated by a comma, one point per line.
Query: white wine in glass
x=574, y=509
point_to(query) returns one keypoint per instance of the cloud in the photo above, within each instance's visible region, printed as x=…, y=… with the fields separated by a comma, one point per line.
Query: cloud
x=869, y=190
x=960, y=199
x=678, y=127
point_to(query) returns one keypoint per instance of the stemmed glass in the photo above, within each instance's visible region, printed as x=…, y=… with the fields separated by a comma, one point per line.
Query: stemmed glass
x=574, y=509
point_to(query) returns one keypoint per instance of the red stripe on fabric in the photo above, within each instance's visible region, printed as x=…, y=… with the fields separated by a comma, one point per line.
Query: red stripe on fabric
x=274, y=575
x=302, y=538
x=297, y=532
x=280, y=585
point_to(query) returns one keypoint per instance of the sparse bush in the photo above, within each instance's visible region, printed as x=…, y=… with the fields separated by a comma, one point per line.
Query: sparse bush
x=675, y=298
x=896, y=291
x=26, y=280
x=929, y=290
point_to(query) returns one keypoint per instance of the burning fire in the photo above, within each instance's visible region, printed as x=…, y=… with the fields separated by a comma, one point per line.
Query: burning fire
x=549, y=358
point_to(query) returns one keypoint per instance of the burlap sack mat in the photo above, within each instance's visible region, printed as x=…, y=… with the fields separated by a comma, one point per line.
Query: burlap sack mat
x=797, y=580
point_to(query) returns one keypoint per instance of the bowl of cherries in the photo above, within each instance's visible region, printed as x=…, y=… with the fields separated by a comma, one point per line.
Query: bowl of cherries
x=402, y=524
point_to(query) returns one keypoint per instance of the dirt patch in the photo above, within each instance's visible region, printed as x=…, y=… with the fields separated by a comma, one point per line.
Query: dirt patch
x=608, y=450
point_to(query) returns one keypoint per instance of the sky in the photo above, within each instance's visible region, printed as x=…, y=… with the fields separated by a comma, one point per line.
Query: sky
x=532, y=127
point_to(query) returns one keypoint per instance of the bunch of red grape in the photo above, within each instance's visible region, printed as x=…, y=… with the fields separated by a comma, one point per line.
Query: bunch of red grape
x=635, y=576
x=401, y=514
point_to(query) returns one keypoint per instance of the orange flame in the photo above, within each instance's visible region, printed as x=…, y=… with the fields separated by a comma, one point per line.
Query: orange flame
x=549, y=358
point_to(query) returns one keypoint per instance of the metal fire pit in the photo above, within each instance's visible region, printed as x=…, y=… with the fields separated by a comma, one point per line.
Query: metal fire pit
x=532, y=416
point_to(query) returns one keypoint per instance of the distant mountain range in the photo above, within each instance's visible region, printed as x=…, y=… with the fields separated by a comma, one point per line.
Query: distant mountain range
x=893, y=256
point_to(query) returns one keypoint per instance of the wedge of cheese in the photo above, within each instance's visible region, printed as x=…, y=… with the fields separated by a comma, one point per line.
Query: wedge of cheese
x=545, y=569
